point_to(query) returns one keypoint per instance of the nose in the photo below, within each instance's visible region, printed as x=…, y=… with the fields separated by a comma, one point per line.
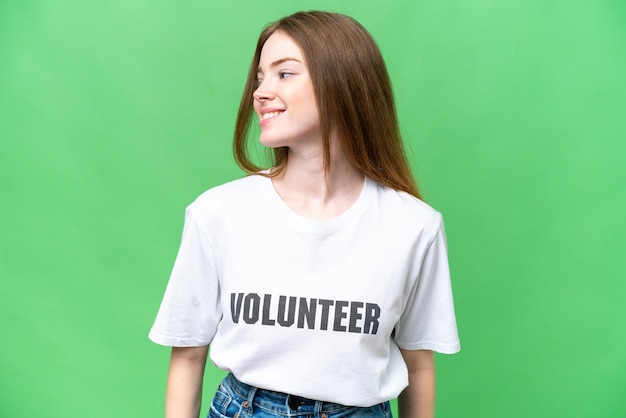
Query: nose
x=263, y=92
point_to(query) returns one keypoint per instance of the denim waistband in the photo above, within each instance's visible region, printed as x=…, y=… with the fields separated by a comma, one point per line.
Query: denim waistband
x=278, y=401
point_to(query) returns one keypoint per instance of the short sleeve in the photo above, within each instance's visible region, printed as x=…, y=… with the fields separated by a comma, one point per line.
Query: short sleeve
x=190, y=310
x=428, y=321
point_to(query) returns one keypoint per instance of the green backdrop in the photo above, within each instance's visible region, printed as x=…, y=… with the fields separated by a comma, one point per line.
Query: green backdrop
x=114, y=115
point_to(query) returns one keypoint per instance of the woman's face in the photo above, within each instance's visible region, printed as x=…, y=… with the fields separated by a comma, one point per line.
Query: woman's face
x=284, y=100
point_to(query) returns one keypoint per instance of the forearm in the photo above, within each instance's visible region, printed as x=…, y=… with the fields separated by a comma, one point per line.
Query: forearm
x=184, y=382
x=418, y=399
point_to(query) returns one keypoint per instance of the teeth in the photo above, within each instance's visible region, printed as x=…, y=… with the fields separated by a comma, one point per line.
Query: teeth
x=270, y=115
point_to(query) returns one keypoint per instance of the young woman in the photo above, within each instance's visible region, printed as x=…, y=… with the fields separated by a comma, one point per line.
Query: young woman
x=321, y=283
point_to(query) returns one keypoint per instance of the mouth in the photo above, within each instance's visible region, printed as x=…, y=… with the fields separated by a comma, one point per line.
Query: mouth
x=270, y=115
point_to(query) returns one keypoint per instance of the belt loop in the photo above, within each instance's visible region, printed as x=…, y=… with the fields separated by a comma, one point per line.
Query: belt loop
x=319, y=409
x=247, y=404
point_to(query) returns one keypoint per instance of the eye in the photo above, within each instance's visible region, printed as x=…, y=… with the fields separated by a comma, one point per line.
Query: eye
x=284, y=74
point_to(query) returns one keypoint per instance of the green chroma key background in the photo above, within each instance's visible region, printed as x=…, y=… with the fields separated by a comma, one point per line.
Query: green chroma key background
x=114, y=115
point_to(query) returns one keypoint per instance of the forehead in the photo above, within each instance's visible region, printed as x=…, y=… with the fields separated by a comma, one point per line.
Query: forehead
x=277, y=47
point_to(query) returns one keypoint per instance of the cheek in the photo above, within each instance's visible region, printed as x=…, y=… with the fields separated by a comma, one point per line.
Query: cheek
x=309, y=104
x=311, y=118
x=306, y=94
x=307, y=108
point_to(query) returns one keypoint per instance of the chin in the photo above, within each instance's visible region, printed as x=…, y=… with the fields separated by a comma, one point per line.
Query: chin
x=271, y=143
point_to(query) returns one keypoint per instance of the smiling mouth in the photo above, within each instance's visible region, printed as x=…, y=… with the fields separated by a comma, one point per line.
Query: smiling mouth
x=269, y=115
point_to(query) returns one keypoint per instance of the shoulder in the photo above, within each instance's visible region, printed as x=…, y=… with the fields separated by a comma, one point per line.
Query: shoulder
x=408, y=211
x=221, y=203
x=240, y=190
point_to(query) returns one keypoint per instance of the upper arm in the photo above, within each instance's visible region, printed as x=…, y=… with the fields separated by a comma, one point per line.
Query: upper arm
x=417, y=360
x=190, y=354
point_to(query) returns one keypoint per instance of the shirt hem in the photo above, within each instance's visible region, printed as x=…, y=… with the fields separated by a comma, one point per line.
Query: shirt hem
x=450, y=348
x=170, y=341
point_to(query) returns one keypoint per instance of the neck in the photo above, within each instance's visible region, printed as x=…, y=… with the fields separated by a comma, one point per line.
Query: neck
x=313, y=193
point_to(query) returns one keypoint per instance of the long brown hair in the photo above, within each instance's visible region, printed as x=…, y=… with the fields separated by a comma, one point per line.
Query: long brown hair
x=353, y=94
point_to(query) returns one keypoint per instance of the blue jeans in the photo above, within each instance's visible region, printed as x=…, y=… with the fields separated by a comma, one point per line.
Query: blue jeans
x=235, y=399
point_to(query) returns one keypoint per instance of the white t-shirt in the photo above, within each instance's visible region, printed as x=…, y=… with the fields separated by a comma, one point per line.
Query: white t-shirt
x=314, y=308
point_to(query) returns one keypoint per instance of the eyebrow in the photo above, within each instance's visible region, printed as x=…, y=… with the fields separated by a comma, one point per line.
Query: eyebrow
x=278, y=62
